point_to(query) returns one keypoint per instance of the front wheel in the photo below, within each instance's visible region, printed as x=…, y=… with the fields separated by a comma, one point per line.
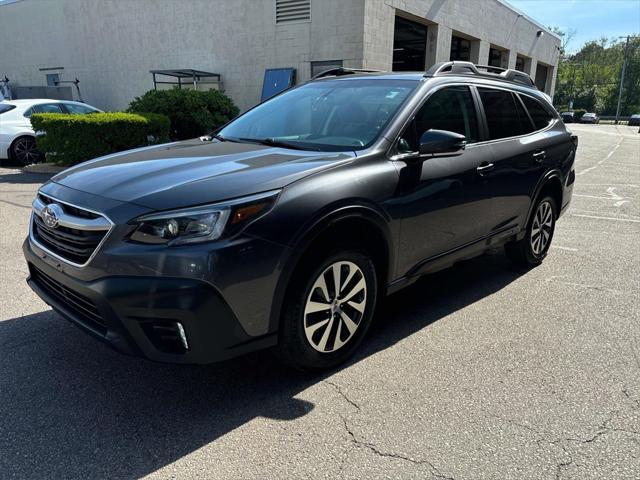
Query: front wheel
x=24, y=151
x=533, y=248
x=328, y=310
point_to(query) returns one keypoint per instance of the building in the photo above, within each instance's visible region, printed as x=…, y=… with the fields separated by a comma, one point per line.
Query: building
x=112, y=45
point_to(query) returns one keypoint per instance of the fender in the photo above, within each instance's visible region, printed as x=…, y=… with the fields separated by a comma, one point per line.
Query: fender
x=310, y=232
x=551, y=175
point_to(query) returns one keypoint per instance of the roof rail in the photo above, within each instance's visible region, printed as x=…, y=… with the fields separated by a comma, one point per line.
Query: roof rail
x=468, y=68
x=339, y=71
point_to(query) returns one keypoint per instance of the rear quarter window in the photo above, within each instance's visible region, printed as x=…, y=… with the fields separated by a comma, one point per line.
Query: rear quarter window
x=541, y=116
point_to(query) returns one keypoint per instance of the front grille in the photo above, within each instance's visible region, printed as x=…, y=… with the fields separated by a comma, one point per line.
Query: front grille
x=71, y=244
x=71, y=210
x=83, y=308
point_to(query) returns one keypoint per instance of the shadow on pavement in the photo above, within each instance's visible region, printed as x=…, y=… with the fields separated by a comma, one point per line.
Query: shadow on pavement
x=20, y=177
x=72, y=408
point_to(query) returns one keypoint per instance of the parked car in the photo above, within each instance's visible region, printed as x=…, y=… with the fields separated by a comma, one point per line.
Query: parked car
x=634, y=120
x=17, y=138
x=590, y=118
x=286, y=227
x=567, y=117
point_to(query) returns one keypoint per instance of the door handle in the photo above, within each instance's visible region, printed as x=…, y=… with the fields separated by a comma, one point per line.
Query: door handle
x=484, y=168
x=539, y=156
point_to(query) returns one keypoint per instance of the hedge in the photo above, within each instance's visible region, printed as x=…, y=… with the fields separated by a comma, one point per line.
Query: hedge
x=192, y=113
x=70, y=139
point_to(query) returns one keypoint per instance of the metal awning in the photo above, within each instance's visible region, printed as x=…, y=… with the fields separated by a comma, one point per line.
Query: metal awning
x=186, y=76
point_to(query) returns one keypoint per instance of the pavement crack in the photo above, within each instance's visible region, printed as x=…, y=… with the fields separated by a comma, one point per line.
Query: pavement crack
x=372, y=447
x=562, y=466
x=338, y=389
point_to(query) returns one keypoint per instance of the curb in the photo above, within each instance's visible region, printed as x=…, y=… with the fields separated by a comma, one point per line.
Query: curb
x=43, y=168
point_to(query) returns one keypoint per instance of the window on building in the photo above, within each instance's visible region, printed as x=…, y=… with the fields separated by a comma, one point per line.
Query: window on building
x=449, y=109
x=460, y=49
x=319, y=67
x=540, y=115
x=495, y=57
x=541, y=77
x=520, y=62
x=409, y=45
x=501, y=112
x=53, y=79
x=293, y=11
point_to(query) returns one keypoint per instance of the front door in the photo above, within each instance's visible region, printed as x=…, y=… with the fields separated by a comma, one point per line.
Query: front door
x=444, y=203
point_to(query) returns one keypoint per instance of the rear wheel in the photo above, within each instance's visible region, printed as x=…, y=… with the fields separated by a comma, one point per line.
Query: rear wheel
x=24, y=151
x=533, y=248
x=328, y=310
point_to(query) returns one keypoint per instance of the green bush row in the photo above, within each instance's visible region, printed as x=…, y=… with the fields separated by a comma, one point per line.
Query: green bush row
x=70, y=139
x=192, y=113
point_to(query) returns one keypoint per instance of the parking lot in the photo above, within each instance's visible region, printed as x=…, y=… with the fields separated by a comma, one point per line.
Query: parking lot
x=479, y=371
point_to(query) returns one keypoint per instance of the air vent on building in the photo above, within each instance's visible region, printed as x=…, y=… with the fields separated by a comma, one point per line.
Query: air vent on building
x=293, y=10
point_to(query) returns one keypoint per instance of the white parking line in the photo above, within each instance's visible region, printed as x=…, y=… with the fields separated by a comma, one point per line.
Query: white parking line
x=603, y=160
x=606, y=218
x=568, y=249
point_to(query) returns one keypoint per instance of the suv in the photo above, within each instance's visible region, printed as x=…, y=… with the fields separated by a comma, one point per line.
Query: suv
x=286, y=227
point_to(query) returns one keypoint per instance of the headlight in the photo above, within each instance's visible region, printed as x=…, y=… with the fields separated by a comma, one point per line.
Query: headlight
x=201, y=224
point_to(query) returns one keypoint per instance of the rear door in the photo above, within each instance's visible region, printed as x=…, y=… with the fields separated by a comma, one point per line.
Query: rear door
x=518, y=158
x=444, y=202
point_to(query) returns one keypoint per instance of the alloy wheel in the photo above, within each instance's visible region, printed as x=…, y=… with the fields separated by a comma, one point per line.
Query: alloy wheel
x=25, y=151
x=542, y=228
x=335, y=306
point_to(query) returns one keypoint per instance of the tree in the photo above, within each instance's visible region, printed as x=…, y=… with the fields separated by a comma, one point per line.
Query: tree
x=591, y=77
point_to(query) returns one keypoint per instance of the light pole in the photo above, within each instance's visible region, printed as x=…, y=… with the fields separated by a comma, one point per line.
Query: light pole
x=622, y=73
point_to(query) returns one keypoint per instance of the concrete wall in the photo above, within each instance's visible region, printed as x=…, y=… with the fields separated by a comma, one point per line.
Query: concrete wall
x=489, y=22
x=111, y=45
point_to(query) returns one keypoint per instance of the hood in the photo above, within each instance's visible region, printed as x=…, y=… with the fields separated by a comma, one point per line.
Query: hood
x=195, y=172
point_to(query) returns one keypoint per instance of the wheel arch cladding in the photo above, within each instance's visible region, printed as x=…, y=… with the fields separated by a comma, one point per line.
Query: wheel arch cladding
x=552, y=187
x=347, y=228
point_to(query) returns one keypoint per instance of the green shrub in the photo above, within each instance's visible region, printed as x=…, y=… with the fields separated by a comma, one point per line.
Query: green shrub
x=70, y=139
x=192, y=113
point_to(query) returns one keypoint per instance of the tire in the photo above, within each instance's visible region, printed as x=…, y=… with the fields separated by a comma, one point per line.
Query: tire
x=23, y=151
x=317, y=330
x=533, y=248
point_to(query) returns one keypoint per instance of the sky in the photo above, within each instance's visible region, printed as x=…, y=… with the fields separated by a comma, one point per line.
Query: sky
x=591, y=19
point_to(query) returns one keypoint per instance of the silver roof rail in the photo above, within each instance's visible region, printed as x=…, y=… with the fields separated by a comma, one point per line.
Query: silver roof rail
x=468, y=68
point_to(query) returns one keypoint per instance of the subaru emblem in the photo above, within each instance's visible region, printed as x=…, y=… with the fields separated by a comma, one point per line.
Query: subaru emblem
x=50, y=215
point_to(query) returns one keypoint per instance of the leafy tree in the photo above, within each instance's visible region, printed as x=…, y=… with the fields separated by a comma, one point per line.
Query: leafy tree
x=591, y=77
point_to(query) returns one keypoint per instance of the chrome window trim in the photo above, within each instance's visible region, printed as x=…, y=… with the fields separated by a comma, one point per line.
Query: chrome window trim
x=33, y=240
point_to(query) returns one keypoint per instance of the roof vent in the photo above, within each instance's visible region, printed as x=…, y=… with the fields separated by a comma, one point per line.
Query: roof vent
x=293, y=10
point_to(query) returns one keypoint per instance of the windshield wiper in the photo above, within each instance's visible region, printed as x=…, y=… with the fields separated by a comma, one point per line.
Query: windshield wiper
x=221, y=138
x=273, y=142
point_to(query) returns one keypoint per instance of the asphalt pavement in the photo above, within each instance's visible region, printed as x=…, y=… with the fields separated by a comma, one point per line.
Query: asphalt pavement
x=480, y=371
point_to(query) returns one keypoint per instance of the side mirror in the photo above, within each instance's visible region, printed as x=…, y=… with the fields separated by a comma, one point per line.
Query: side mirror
x=441, y=141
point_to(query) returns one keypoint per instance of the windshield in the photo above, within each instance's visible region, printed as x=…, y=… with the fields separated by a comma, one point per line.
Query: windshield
x=5, y=107
x=330, y=115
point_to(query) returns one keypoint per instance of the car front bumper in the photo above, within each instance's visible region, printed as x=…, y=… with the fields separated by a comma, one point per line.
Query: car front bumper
x=166, y=319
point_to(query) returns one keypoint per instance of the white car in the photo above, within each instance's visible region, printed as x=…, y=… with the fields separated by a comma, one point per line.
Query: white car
x=17, y=138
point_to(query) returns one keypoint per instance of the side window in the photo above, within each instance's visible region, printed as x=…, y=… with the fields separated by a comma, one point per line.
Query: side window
x=79, y=109
x=47, y=108
x=502, y=117
x=525, y=122
x=449, y=109
x=541, y=117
